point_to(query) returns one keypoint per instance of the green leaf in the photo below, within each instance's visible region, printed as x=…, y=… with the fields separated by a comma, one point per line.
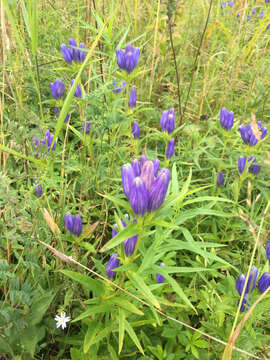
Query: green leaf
x=121, y=323
x=143, y=288
x=91, y=284
x=189, y=214
x=93, y=328
x=112, y=352
x=19, y=155
x=95, y=309
x=133, y=336
x=174, y=184
x=127, y=305
x=38, y=309
x=129, y=231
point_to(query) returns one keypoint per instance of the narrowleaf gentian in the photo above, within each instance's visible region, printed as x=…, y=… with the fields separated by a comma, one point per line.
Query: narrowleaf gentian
x=73, y=53
x=127, y=59
x=226, y=119
x=248, y=135
x=264, y=282
x=268, y=250
x=38, y=189
x=220, y=179
x=118, y=88
x=135, y=130
x=78, y=91
x=170, y=149
x=86, y=127
x=160, y=279
x=240, y=282
x=253, y=168
x=113, y=263
x=132, y=98
x=130, y=243
x=144, y=188
x=241, y=164
x=47, y=140
x=57, y=89
x=167, y=121
x=73, y=223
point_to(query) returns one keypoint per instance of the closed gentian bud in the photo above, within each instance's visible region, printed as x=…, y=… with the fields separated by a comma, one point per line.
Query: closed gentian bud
x=241, y=164
x=142, y=160
x=244, y=134
x=49, y=139
x=248, y=17
x=170, y=124
x=264, y=282
x=253, y=12
x=130, y=244
x=244, y=304
x=138, y=197
x=220, y=179
x=253, y=140
x=67, y=53
x=82, y=52
x=158, y=190
x=223, y=4
x=132, y=98
x=77, y=225
x=113, y=263
x=78, y=91
x=160, y=279
x=117, y=89
x=38, y=190
x=86, y=127
x=170, y=149
x=147, y=174
x=254, y=169
x=252, y=279
x=135, y=130
x=67, y=118
x=156, y=164
x=57, y=111
x=163, y=120
x=75, y=51
x=57, y=89
x=114, y=232
x=136, y=167
x=240, y=282
x=261, y=14
x=226, y=119
x=127, y=178
x=120, y=58
x=268, y=250
x=132, y=55
x=68, y=219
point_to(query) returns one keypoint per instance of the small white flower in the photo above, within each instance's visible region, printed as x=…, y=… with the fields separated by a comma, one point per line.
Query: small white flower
x=62, y=320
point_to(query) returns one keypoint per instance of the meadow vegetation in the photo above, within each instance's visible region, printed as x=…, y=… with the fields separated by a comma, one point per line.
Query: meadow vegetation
x=134, y=180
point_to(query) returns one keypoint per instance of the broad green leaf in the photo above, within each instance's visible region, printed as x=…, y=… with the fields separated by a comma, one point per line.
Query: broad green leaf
x=200, y=199
x=174, y=198
x=189, y=214
x=133, y=336
x=96, y=309
x=143, y=288
x=121, y=323
x=38, y=308
x=129, y=231
x=91, y=284
x=116, y=200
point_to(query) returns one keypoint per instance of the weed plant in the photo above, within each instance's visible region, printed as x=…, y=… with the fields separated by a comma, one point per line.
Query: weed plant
x=134, y=180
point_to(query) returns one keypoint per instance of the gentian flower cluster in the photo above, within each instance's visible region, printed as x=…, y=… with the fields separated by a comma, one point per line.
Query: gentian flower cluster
x=73, y=223
x=113, y=263
x=248, y=135
x=240, y=282
x=38, y=189
x=130, y=243
x=142, y=186
x=47, y=140
x=72, y=52
x=253, y=168
x=127, y=59
x=226, y=119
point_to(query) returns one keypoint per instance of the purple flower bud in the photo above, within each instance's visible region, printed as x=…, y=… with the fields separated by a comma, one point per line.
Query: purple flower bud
x=244, y=304
x=261, y=14
x=163, y=120
x=230, y=3
x=252, y=279
x=127, y=59
x=248, y=17
x=67, y=118
x=130, y=244
x=82, y=52
x=156, y=164
x=170, y=149
x=136, y=167
x=57, y=89
x=57, y=111
x=244, y=134
x=240, y=282
x=38, y=190
x=138, y=196
x=36, y=143
x=147, y=174
x=113, y=263
x=264, y=282
x=253, y=12
x=268, y=250
x=226, y=119
x=223, y=4
x=170, y=124
x=117, y=89
x=75, y=51
x=49, y=139
x=220, y=179
x=241, y=164
x=267, y=1
x=252, y=140
x=160, y=279
x=127, y=178
x=132, y=98
x=78, y=91
x=114, y=232
x=67, y=53
x=254, y=169
x=142, y=160
x=135, y=130
x=86, y=127
x=73, y=223
x=268, y=27
x=158, y=190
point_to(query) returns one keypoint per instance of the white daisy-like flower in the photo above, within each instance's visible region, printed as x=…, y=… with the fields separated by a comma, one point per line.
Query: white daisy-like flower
x=62, y=320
